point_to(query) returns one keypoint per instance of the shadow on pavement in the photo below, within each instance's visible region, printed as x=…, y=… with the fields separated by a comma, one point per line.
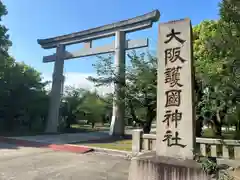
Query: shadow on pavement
x=110, y=139
x=47, y=140
x=8, y=146
x=8, y=143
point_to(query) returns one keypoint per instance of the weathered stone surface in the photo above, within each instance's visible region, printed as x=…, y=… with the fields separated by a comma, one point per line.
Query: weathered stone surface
x=129, y=25
x=175, y=108
x=150, y=166
x=89, y=51
x=118, y=114
x=56, y=91
x=136, y=141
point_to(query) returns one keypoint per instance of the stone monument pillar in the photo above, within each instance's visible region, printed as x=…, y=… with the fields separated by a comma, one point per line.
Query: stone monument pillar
x=175, y=137
x=175, y=104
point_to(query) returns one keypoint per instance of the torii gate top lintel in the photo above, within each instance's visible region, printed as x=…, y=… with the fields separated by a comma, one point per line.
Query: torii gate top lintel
x=129, y=25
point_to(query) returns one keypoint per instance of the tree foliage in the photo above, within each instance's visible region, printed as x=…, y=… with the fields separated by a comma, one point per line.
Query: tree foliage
x=217, y=62
x=23, y=97
x=140, y=87
x=81, y=104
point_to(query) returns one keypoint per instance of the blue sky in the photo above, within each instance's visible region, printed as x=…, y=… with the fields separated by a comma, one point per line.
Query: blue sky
x=29, y=20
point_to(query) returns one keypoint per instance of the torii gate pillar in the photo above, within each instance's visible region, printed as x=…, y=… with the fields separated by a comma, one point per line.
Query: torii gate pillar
x=118, y=114
x=56, y=92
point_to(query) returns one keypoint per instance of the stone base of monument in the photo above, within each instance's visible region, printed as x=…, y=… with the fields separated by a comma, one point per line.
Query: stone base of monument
x=149, y=166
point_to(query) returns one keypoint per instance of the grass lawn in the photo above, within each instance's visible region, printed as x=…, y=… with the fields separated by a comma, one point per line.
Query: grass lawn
x=123, y=145
x=88, y=128
x=209, y=133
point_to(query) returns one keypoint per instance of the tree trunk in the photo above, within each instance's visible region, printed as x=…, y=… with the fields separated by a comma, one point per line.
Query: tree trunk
x=151, y=114
x=199, y=126
x=238, y=118
x=238, y=125
x=93, y=124
x=30, y=123
x=9, y=122
x=219, y=131
x=217, y=125
x=147, y=126
x=132, y=112
x=237, y=132
x=68, y=122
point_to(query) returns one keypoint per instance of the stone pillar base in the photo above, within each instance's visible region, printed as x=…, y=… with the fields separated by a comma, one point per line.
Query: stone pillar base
x=116, y=127
x=149, y=166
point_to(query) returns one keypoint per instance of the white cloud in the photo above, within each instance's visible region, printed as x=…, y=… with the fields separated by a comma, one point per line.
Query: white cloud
x=79, y=80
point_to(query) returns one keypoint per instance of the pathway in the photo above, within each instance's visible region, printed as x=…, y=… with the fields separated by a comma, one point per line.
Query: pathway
x=65, y=138
x=28, y=163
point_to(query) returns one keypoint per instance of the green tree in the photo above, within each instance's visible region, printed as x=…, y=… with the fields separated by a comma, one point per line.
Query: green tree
x=216, y=52
x=229, y=33
x=140, y=87
x=5, y=43
x=23, y=97
x=82, y=104
x=94, y=107
x=21, y=94
x=73, y=97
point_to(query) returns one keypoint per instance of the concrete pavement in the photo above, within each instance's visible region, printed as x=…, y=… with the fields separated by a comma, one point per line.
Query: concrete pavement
x=64, y=138
x=29, y=163
x=68, y=138
x=59, y=142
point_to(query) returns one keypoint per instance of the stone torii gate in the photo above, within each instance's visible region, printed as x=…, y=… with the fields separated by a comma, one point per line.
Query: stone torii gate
x=119, y=30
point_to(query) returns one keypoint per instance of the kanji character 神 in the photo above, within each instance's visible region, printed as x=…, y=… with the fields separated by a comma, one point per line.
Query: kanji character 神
x=173, y=117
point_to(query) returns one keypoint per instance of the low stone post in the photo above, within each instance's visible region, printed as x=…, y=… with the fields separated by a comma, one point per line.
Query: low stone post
x=136, y=141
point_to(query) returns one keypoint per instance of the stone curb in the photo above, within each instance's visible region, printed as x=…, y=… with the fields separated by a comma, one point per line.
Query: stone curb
x=67, y=147
x=113, y=152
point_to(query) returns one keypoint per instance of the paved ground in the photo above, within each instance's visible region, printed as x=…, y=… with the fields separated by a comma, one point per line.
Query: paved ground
x=70, y=137
x=65, y=138
x=29, y=163
x=236, y=174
